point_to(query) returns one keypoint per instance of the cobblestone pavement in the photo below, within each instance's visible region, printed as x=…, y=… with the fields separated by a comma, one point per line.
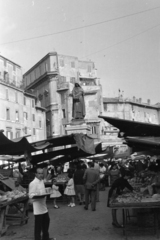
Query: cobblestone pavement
x=78, y=224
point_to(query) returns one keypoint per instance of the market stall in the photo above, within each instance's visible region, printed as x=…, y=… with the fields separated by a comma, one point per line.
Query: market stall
x=128, y=204
x=17, y=200
x=142, y=204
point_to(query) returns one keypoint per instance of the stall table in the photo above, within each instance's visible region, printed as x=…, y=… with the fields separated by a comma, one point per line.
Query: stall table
x=138, y=205
x=6, y=217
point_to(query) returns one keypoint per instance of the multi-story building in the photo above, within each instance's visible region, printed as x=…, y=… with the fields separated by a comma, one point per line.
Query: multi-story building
x=129, y=109
x=52, y=80
x=19, y=116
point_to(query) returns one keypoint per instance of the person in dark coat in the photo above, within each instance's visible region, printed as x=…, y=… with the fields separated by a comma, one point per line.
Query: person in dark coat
x=79, y=183
x=118, y=186
x=91, y=178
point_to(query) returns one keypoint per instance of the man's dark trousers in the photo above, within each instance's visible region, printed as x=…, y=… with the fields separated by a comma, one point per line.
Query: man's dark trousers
x=90, y=195
x=41, y=226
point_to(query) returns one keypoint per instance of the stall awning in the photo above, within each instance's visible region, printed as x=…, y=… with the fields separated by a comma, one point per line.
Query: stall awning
x=70, y=145
x=19, y=146
x=138, y=135
x=133, y=128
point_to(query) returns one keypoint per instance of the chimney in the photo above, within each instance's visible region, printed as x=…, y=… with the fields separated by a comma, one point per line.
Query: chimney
x=134, y=99
x=148, y=101
x=140, y=100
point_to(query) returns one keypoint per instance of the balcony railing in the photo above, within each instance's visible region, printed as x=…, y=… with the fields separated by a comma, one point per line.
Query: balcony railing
x=62, y=86
x=11, y=82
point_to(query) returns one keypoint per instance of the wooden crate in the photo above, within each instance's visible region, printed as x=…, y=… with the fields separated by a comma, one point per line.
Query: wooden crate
x=6, y=172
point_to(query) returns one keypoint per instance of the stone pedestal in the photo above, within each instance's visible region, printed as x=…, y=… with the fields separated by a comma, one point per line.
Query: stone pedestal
x=77, y=126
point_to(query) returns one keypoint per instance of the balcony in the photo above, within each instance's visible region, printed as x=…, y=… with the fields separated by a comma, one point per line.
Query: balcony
x=61, y=86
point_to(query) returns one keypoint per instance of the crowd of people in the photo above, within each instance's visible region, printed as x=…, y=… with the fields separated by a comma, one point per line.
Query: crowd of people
x=84, y=180
x=82, y=183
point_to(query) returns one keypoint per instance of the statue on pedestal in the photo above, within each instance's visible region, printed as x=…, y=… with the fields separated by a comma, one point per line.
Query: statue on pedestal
x=78, y=109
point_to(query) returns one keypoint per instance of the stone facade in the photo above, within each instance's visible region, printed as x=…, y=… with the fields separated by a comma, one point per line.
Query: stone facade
x=52, y=80
x=19, y=116
x=133, y=110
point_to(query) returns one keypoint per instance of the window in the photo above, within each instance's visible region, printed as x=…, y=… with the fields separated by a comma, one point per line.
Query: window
x=7, y=94
x=18, y=133
x=61, y=62
x=8, y=114
x=40, y=123
x=105, y=106
x=25, y=130
x=34, y=131
x=17, y=116
x=89, y=68
x=72, y=80
x=62, y=79
x=25, y=115
x=72, y=64
x=16, y=97
x=33, y=103
x=93, y=130
x=33, y=117
x=24, y=100
x=64, y=113
x=48, y=130
x=46, y=66
x=9, y=133
x=63, y=97
x=6, y=76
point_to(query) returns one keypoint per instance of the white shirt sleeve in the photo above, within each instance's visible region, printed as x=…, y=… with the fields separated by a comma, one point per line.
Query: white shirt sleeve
x=32, y=190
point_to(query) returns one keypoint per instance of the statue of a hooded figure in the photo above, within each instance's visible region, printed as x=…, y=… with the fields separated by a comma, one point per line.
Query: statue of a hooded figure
x=78, y=109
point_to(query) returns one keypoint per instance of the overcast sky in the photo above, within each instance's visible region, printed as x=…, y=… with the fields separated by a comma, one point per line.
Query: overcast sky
x=122, y=37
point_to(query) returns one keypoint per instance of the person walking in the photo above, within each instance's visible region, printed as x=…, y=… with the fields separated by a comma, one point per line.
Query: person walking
x=79, y=183
x=91, y=178
x=40, y=210
x=97, y=167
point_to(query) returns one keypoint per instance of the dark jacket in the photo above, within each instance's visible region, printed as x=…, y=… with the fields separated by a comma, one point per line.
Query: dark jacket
x=78, y=177
x=119, y=185
x=91, y=176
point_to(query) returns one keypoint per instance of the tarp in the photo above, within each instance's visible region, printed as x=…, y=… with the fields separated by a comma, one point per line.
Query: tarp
x=21, y=145
x=85, y=143
x=133, y=128
x=138, y=135
x=74, y=145
x=71, y=153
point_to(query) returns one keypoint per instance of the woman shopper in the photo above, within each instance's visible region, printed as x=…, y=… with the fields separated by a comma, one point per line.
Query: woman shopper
x=55, y=194
x=69, y=190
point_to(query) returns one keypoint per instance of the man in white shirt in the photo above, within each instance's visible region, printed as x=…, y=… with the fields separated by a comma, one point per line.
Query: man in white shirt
x=40, y=210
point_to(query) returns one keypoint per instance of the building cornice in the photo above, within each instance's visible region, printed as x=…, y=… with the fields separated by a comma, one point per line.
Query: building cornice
x=130, y=102
x=39, y=62
x=11, y=86
x=30, y=95
x=10, y=61
x=40, y=108
x=47, y=75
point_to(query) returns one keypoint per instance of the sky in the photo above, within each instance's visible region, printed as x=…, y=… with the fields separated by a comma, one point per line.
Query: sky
x=122, y=38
